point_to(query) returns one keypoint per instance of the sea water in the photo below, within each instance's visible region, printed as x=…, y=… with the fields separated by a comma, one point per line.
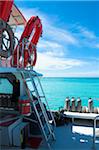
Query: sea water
x=57, y=89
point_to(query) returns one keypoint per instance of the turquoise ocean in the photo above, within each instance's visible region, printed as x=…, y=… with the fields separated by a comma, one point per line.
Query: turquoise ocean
x=57, y=89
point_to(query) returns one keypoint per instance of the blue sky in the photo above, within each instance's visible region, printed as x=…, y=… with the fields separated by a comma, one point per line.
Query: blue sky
x=70, y=42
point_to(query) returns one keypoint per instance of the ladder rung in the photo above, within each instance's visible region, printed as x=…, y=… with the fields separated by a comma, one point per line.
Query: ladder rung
x=35, y=102
x=41, y=96
x=49, y=136
x=28, y=80
x=32, y=91
x=40, y=114
x=39, y=109
x=46, y=125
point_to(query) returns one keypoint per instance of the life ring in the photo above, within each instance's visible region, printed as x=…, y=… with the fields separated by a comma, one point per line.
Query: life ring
x=7, y=41
x=30, y=54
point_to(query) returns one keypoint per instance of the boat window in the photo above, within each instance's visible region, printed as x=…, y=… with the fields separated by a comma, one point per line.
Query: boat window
x=5, y=86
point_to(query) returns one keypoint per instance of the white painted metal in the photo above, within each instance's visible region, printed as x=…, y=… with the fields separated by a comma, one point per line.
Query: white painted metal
x=49, y=131
x=79, y=106
x=94, y=128
x=45, y=100
x=90, y=105
x=73, y=108
x=67, y=104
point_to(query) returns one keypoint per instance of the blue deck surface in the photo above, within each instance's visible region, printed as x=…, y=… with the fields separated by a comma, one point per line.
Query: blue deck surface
x=69, y=137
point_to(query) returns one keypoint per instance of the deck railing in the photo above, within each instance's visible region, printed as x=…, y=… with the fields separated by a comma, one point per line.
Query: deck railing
x=94, y=130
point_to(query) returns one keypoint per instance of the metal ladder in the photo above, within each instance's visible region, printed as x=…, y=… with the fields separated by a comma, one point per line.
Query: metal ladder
x=41, y=113
x=43, y=98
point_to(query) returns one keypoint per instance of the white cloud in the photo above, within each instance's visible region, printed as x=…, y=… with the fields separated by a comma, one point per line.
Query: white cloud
x=50, y=44
x=49, y=29
x=54, y=46
x=19, y=31
x=55, y=40
x=61, y=67
x=47, y=62
x=97, y=45
x=61, y=35
x=86, y=33
x=80, y=74
x=76, y=36
x=86, y=37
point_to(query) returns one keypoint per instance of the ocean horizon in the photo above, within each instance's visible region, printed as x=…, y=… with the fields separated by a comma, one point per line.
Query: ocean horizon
x=58, y=88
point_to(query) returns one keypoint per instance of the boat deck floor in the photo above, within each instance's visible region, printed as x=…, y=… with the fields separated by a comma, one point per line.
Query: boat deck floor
x=74, y=137
x=71, y=137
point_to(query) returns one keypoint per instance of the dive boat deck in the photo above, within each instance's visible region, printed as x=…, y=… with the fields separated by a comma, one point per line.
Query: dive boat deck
x=76, y=115
x=71, y=137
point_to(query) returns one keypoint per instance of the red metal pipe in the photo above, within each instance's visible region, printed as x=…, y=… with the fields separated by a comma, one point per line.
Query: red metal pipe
x=33, y=24
x=5, y=9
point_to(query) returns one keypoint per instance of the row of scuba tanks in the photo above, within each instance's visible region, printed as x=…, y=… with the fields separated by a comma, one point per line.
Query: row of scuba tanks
x=74, y=105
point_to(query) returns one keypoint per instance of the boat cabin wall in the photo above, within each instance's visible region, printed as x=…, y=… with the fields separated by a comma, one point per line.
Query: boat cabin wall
x=12, y=83
x=23, y=92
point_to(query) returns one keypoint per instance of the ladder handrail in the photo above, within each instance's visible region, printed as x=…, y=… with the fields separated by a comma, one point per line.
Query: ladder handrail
x=29, y=92
x=46, y=101
x=33, y=103
x=42, y=106
x=94, y=127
